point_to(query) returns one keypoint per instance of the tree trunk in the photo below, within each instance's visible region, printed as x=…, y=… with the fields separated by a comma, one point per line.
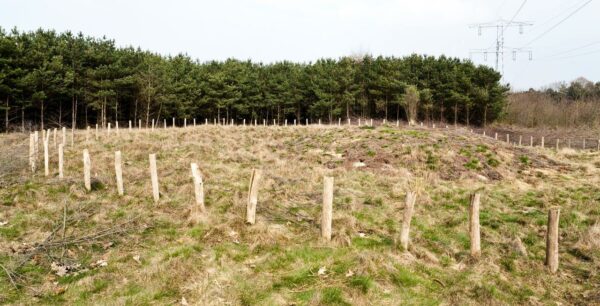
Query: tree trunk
x=6, y=115
x=147, y=112
x=467, y=116
x=135, y=111
x=42, y=115
x=485, y=116
x=455, y=114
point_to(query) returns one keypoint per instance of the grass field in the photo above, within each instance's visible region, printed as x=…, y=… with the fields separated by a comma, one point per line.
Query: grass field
x=101, y=248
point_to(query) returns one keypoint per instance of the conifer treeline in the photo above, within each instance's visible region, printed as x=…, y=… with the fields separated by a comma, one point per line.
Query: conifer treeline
x=51, y=79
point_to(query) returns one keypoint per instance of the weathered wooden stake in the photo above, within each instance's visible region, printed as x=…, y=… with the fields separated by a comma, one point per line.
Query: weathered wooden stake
x=531, y=141
x=96, y=131
x=153, y=125
x=198, y=191
x=411, y=197
x=552, y=239
x=474, y=225
x=496, y=136
x=184, y=122
x=154, y=177
x=584, y=143
x=165, y=123
x=195, y=121
x=520, y=139
x=253, y=196
x=32, y=152
x=61, y=160
x=119, y=172
x=46, y=161
x=108, y=130
x=507, y=138
x=130, y=127
x=557, y=143
x=542, y=141
x=139, y=124
x=117, y=127
x=327, y=215
x=64, y=135
x=173, y=121
x=87, y=168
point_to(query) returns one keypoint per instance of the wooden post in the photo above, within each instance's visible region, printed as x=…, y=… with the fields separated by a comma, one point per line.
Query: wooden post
x=154, y=177
x=496, y=136
x=244, y=122
x=584, y=143
x=87, y=165
x=253, y=196
x=165, y=123
x=46, y=161
x=285, y=122
x=119, y=172
x=108, y=131
x=64, y=135
x=173, y=121
x=130, y=127
x=87, y=134
x=198, y=191
x=139, y=124
x=507, y=138
x=294, y=122
x=319, y=121
x=531, y=141
x=117, y=127
x=339, y=121
x=349, y=122
x=407, y=217
x=327, y=215
x=542, y=141
x=205, y=121
x=96, y=131
x=520, y=139
x=557, y=143
x=552, y=239
x=306, y=121
x=32, y=152
x=153, y=125
x=474, y=225
x=195, y=121
x=61, y=161
x=184, y=122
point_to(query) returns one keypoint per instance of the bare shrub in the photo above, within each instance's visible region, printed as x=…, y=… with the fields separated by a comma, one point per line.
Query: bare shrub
x=534, y=109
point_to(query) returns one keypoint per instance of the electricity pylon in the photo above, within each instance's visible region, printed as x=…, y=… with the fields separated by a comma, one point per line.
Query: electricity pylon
x=500, y=25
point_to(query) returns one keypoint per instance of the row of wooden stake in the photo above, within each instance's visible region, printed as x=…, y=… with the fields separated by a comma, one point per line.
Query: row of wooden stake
x=199, y=208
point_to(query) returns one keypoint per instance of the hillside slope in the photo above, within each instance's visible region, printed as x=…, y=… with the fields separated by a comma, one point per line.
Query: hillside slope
x=97, y=246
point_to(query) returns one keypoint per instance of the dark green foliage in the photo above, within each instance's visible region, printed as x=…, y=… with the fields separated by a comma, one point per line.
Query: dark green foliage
x=50, y=78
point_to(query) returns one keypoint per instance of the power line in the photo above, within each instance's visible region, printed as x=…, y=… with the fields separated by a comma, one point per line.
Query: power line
x=563, y=9
x=557, y=24
x=571, y=56
x=516, y=13
x=573, y=49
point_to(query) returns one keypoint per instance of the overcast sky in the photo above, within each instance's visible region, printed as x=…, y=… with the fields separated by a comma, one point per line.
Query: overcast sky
x=272, y=30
